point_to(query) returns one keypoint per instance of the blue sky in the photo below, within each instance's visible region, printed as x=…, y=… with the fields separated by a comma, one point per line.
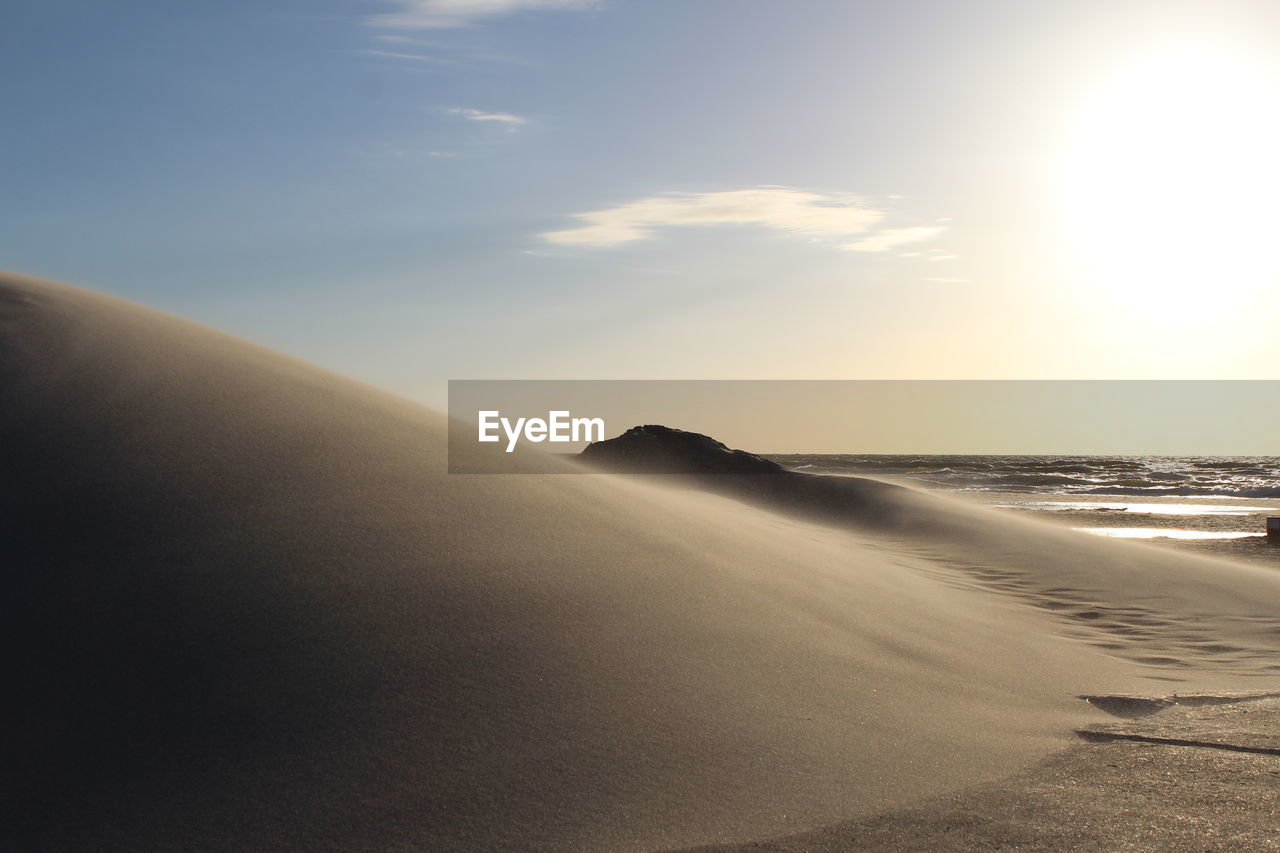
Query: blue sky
x=414, y=191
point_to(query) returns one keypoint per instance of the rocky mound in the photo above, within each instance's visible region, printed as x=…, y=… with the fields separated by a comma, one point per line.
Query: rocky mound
x=655, y=449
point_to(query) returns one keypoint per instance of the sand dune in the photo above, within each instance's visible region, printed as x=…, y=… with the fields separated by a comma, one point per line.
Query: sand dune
x=248, y=609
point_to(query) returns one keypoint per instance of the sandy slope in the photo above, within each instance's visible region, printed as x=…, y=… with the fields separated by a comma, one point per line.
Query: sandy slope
x=247, y=609
x=1194, y=778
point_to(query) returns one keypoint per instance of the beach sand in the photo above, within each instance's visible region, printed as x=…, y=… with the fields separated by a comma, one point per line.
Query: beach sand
x=249, y=610
x=1195, y=777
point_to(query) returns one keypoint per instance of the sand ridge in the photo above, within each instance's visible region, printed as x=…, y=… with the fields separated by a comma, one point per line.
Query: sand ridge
x=250, y=610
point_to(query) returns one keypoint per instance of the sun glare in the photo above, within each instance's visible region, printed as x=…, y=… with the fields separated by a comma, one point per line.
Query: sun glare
x=1170, y=183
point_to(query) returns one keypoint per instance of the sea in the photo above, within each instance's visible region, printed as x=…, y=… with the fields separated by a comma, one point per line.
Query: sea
x=1212, y=504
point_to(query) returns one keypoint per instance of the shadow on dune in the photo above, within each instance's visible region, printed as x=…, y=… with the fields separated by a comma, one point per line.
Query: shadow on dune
x=129, y=662
x=151, y=628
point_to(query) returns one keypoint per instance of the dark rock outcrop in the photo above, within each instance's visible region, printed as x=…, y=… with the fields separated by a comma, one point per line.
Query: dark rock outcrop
x=654, y=449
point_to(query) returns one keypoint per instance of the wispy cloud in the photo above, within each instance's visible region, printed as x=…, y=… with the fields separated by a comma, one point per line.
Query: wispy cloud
x=511, y=122
x=442, y=14
x=892, y=238
x=411, y=153
x=791, y=211
x=412, y=57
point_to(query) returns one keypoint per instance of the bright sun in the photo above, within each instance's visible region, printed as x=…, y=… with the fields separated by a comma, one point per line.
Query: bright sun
x=1171, y=183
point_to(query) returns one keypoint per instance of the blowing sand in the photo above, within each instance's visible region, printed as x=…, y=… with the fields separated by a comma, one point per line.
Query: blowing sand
x=249, y=610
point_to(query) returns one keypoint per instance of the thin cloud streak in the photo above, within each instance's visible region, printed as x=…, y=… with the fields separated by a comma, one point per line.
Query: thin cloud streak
x=414, y=57
x=893, y=238
x=511, y=121
x=448, y=14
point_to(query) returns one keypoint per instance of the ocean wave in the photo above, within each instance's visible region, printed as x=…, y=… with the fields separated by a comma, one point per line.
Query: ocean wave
x=1185, y=492
x=1189, y=476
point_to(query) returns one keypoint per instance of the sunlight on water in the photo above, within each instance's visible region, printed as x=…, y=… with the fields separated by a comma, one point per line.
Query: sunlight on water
x=1149, y=508
x=1164, y=533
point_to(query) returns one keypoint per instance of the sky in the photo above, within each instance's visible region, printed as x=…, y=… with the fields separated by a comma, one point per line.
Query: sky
x=411, y=191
